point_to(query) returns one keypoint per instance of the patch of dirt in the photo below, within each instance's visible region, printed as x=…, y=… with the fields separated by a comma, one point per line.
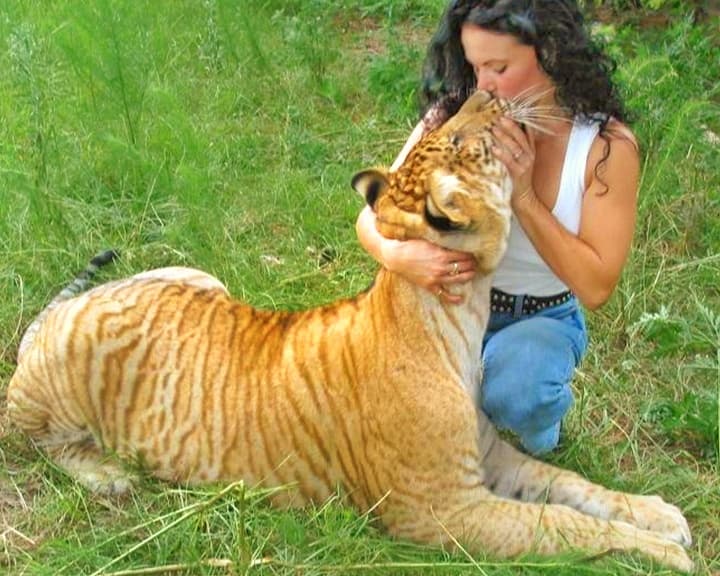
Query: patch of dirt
x=375, y=37
x=15, y=500
x=14, y=508
x=702, y=11
x=368, y=27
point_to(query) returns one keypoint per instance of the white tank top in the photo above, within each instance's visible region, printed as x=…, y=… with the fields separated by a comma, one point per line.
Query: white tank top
x=522, y=270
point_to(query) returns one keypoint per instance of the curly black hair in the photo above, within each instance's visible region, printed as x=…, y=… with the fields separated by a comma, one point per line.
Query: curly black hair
x=575, y=62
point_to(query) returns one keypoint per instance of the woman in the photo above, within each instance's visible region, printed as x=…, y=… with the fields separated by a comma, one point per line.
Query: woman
x=574, y=199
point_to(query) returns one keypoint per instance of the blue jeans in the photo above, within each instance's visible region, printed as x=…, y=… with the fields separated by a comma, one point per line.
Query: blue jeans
x=528, y=362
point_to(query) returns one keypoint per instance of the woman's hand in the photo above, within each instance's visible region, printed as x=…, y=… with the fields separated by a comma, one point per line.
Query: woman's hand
x=516, y=149
x=427, y=265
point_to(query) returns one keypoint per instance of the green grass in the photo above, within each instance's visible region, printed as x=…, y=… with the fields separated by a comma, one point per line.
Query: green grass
x=223, y=134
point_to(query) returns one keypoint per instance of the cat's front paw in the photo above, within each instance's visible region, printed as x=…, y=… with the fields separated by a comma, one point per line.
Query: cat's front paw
x=654, y=514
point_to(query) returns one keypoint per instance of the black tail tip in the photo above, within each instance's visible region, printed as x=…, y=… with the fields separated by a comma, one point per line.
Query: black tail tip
x=105, y=257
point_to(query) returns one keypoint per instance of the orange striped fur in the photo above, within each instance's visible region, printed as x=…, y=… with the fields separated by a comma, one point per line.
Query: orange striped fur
x=372, y=395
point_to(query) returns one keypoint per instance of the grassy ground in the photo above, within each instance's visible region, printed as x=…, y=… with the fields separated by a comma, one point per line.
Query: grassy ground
x=223, y=134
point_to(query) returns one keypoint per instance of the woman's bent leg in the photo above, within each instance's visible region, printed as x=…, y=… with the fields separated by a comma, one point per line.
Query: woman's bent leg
x=527, y=368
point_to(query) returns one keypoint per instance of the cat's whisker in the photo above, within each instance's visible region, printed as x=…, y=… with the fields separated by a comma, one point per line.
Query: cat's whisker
x=529, y=97
x=525, y=108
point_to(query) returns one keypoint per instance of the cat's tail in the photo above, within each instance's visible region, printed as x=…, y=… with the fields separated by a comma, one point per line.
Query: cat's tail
x=78, y=285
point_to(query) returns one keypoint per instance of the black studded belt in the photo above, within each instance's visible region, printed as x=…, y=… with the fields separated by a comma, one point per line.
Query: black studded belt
x=503, y=302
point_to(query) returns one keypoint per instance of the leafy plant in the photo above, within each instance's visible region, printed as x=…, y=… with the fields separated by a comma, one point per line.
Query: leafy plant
x=693, y=422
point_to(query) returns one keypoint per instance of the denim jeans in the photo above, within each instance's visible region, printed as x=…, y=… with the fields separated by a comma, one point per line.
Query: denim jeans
x=528, y=362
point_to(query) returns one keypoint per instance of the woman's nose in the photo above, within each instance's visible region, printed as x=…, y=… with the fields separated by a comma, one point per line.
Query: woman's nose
x=486, y=86
x=484, y=82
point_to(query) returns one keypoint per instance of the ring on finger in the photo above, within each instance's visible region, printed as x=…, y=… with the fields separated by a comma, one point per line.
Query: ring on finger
x=439, y=292
x=455, y=269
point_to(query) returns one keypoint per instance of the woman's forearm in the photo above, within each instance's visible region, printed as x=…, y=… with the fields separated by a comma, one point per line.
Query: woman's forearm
x=370, y=239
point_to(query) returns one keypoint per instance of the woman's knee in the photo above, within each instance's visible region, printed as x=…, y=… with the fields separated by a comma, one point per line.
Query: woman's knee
x=525, y=400
x=527, y=374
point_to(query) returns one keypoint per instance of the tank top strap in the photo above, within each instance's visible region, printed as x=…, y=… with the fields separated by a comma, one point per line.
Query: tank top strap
x=572, y=180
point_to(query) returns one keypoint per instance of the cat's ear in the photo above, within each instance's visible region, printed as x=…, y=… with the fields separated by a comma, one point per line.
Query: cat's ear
x=370, y=184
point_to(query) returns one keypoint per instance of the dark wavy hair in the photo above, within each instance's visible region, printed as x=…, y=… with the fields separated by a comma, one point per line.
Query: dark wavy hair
x=575, y=62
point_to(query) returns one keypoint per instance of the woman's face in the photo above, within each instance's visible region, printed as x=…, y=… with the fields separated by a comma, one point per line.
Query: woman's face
x=503, y=65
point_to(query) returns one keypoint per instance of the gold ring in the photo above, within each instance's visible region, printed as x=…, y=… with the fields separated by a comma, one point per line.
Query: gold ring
x=455, y=269
x=439, y=292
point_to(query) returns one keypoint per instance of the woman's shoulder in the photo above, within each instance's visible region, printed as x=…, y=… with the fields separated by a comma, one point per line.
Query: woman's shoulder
x=614, y=137
x=615, y=152
x=618, y=133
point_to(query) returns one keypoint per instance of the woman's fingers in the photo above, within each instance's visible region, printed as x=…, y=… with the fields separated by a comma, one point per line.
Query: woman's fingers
x=456, y=268
x=516, y=149
x=511, y=142
x=444, y=294
x=431, y=267
x=459, y=278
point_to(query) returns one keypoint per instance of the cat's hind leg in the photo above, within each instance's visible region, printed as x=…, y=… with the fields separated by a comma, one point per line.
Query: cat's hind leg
x=60, y=427
x=88, y=465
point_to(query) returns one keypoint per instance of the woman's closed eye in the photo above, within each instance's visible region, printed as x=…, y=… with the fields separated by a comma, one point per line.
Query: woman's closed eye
x=495, y=69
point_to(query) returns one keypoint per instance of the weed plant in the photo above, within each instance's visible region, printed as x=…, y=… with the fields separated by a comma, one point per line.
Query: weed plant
x=223, y=134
